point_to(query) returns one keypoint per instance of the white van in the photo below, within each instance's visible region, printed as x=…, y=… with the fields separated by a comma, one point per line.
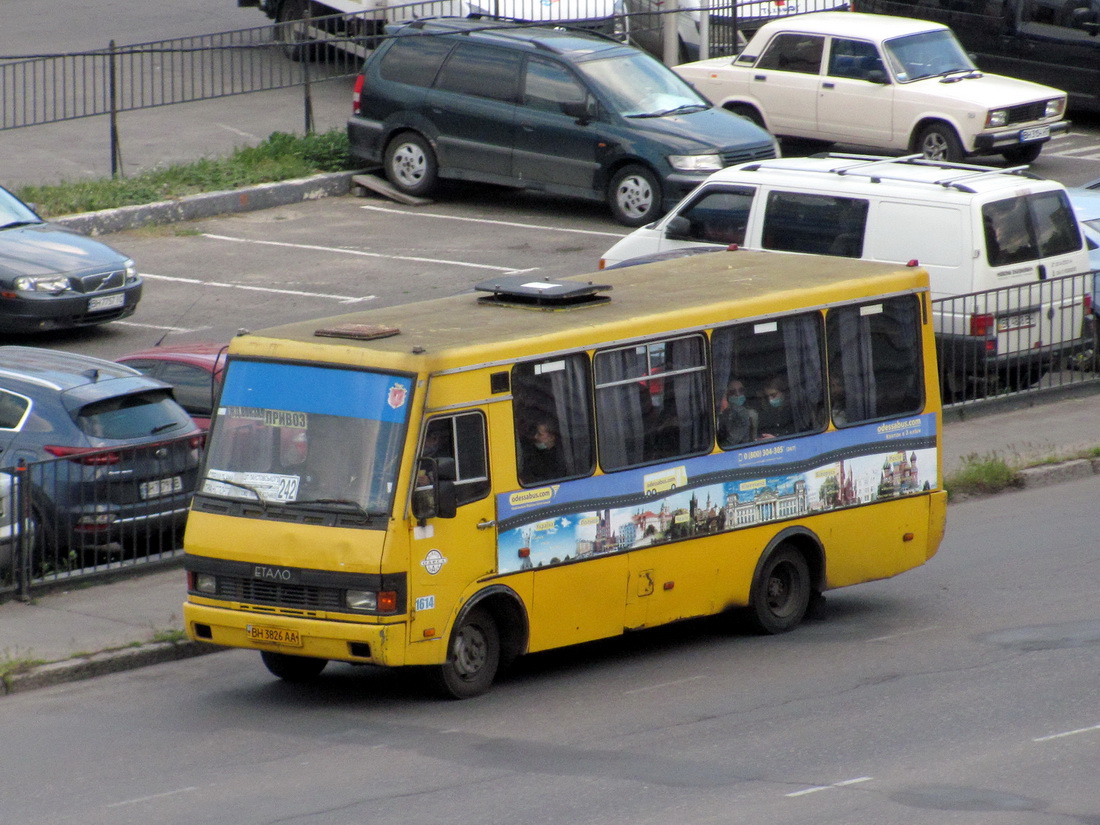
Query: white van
x=1004, y=235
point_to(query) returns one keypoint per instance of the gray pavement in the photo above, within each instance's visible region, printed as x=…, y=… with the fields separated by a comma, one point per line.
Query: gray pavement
x=68, y=635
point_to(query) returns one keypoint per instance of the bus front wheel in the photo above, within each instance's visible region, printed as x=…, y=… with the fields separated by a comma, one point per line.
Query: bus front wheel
x=293, y=668
x=472, y=658
x=781, y=593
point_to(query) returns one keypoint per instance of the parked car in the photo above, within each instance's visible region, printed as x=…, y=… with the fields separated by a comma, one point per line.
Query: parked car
x=194, y=371
x=976, y=229
x=11, y=530
x=1052, y=42
x=563, y=112
x=892, y=83
x=110, y=456
x=54, y=278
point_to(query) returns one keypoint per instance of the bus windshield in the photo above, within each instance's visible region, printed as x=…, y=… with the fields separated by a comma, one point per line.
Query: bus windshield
x=305, y=435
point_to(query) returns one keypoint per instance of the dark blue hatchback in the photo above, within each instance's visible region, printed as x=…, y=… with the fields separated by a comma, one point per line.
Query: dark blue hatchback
x=562, y=112
x=105, y=453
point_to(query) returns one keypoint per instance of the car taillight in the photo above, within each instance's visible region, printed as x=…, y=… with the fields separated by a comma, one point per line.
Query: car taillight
x=196, y=442
x=982, y=325
x=92, y=456
x=356, y=94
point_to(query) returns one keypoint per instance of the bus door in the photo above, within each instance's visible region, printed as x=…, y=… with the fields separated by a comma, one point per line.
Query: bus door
x=448, y=553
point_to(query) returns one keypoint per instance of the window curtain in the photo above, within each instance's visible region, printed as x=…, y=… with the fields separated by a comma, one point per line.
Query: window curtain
x=802, y=347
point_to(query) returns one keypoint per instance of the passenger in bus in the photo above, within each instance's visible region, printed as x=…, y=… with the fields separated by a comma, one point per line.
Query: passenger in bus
x=541, y=456
x=775, y=414
x=737, y=423
x=836, y=399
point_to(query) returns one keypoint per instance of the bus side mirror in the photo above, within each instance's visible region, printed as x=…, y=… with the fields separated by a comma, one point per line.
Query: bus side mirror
x=435, y=495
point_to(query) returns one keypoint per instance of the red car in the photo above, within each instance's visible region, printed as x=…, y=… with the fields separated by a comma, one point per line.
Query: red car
x=194, y=371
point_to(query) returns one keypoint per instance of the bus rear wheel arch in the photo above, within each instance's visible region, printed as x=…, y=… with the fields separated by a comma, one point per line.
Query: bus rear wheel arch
x=781, y=591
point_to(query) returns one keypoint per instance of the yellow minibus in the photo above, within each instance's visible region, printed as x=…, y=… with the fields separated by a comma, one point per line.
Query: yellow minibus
x=538, y=463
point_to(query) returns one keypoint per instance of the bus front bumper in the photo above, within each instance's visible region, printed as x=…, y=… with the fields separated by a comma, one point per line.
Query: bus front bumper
x=377, y=644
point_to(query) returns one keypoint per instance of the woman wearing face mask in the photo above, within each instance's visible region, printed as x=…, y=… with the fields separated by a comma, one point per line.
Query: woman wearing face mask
x=736, y=422
x=775, y=415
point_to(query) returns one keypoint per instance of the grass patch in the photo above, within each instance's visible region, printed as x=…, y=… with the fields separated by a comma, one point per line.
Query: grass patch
x=10, y=668
x=982, y=474
x=281, y=157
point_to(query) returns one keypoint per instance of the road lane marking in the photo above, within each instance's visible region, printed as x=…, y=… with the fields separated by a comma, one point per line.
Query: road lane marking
x=817, y=788
x=1084, y=150
x=140, y=799
x=663, y=685
x=361, y=253
x=157, y=326
x=491, y=222
x=343, y=299
x=903, y=633
x=1067, y=733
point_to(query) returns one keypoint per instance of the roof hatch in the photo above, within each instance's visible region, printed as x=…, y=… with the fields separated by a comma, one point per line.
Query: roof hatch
x=531, y=293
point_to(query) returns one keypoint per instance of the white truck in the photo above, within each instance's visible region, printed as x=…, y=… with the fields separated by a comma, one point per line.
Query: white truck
x=354, y=24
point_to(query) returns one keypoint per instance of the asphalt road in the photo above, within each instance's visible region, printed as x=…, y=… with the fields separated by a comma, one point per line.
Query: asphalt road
x=962, y=692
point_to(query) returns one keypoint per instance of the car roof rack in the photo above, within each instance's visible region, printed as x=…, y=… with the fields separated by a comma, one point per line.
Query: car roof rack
x=872, y=166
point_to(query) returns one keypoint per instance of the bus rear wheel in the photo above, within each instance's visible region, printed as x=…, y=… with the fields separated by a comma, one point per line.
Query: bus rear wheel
x=473, y=657
x=293, y=668
x=781, y=593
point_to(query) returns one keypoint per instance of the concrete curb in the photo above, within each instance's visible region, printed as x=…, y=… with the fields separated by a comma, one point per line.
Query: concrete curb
x=100, y=664
x=209, y=204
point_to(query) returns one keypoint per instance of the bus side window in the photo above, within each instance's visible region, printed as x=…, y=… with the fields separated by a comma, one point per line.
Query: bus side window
x=875, y=360
x=653, y=402
x=552, y=409
x=780, y=365
x=458, y=444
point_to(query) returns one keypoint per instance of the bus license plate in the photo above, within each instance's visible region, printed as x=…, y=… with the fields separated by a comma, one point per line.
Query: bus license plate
x=161, y=487
x=1034, y=133
x=100, y=302
x=1008, y=323
x=273, y=635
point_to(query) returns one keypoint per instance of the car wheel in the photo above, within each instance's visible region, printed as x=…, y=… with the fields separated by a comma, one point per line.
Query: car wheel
x=411, y=165
x=939, y=142
x=1023, y=154
x=634, y=196
x=747, y=112
x=781, y=592
x=291, y=31
x=293, y=668
x=473, y=657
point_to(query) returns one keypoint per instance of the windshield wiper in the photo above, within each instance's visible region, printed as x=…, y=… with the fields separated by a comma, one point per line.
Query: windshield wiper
x=963, y=74
x=248, y=487
x=679, y=110
x=359, y=509
x=17, y=224
x=162, y=427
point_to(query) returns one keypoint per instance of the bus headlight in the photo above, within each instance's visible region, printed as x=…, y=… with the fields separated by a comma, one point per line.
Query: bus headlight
x=205, y=583
x=361, y=600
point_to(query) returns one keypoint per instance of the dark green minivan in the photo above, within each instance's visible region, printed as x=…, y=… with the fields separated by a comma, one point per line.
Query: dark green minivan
x=559, y=111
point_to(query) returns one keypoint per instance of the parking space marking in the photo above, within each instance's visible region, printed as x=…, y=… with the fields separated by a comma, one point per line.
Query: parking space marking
x=1089, y=152
x=492, y=222
x=156, y=326
x=363, y=254
x=1067, y=733
x=817, y=788
x=343, y=299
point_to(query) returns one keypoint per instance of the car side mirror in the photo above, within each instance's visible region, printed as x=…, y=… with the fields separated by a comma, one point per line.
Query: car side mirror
x=582, y=111
x=877, y=76
x=678, y=228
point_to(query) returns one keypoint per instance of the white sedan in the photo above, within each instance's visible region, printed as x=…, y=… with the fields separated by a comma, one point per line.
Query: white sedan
x=892, y=83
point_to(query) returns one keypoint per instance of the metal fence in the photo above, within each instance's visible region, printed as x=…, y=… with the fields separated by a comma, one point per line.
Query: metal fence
x=92, y=513
x=1029, y=338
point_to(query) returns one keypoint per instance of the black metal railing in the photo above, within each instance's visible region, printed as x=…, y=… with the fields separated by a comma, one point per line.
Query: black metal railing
x=91, y=513
x=1020, y=339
